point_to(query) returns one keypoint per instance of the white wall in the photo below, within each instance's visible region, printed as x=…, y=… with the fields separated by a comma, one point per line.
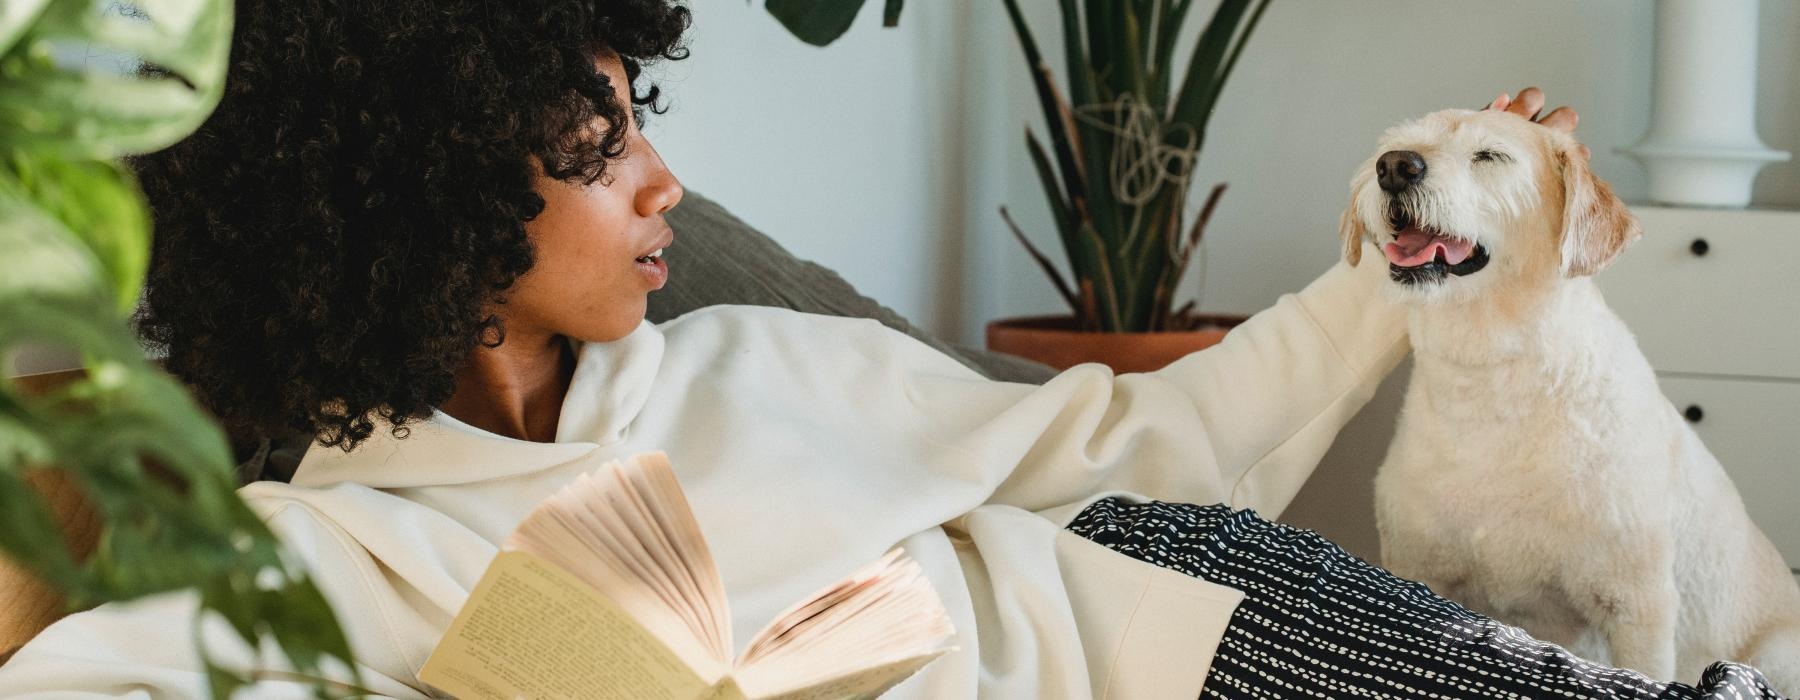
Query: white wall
x=887, y=154
x=848, y=154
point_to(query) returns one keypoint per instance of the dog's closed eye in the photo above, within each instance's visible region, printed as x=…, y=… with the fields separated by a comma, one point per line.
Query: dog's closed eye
x=1489, y=154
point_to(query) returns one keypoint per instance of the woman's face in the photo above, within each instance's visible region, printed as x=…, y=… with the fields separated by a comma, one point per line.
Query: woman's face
x=592, y=269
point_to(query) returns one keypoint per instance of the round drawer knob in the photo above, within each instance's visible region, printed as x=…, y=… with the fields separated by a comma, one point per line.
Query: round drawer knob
x=1692, y=413
x=1699, y=247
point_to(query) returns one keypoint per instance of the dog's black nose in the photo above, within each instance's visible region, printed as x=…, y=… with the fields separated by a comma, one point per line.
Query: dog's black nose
x=1398, y=170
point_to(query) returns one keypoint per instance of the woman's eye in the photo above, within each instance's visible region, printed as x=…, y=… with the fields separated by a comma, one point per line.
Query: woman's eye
x=1487, y=154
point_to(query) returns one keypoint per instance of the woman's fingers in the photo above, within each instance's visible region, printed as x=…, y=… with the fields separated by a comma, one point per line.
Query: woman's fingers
x=1562, y=118
x=1529, y=102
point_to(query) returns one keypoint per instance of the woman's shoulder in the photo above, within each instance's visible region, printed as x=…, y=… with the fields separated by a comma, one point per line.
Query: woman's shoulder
x=824, y=338
x=743, y=325
x=775, y=318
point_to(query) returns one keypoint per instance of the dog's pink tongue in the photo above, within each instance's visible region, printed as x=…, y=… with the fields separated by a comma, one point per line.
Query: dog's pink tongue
x=1414, y=247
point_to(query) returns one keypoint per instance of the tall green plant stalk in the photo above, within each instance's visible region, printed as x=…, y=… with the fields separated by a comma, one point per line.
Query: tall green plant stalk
x=1122, y=147
x=74, y=242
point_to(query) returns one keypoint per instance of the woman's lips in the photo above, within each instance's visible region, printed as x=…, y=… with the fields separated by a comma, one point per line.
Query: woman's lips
x=651, y=264
x=655, y=271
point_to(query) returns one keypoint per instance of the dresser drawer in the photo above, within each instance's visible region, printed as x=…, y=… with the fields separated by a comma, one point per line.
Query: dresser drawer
x=1753, y=427
x=1734, y=310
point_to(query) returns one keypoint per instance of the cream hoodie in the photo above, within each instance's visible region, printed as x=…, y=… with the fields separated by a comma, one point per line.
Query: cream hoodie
x=809, y=445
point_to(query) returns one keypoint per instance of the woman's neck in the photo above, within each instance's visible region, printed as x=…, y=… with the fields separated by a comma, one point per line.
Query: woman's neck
x=516, y=389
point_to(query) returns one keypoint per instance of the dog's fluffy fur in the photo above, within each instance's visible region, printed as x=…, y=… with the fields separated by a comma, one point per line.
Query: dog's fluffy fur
x=1538, y=475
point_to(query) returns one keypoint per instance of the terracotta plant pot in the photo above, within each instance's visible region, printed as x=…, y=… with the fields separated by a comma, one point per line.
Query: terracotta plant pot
x=1054, y=341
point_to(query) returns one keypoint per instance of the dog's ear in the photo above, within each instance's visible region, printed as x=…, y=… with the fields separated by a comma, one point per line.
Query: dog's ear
x=1596, y=226
x=1351, y=228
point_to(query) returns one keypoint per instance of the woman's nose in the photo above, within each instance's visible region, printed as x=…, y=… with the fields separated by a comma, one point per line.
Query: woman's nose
x=660, y=191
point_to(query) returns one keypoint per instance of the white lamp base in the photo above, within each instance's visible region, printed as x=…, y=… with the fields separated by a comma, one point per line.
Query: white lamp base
x=1702, y=177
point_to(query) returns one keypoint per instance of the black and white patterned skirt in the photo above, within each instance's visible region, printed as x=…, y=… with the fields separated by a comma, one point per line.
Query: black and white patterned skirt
x=1317, y=622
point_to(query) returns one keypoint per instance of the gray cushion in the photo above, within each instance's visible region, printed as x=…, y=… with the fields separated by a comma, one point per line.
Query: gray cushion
x=719, y=259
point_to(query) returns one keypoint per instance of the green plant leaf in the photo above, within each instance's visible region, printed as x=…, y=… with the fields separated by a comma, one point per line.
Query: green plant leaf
x=1237, y=49
x=1131, y=57
x=1168, y=29
x=1081, y=76
x=74, y=238
x=181, y=526
x=890, y=13
x=1207, y=67
x=1049, y=268
x=1102, y=36
x=42, y=257
x=82, y=112
x=15, y=17
x=1064, y=216
x=95, y=201
x=820, y=22
x=1056, y=119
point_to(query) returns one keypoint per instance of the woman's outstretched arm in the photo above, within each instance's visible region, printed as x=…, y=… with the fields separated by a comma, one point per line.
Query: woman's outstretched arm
x=1243, y=422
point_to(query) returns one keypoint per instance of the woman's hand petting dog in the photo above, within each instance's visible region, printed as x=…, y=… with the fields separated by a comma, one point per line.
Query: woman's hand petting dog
x=1530, y=103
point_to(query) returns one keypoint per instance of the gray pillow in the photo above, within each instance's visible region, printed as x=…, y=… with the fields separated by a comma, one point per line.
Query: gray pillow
x=719, y=259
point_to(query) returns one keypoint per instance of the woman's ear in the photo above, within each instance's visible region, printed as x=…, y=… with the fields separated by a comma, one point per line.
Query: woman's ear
x=1596, y=226
x=1351, y=228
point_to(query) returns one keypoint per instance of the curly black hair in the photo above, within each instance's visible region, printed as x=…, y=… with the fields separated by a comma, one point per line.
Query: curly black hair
x=328, y=241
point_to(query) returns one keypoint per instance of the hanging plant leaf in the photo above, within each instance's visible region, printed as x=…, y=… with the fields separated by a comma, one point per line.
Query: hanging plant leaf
x=820, y=22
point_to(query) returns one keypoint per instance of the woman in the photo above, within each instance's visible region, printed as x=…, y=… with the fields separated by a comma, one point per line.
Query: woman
x=424, y=233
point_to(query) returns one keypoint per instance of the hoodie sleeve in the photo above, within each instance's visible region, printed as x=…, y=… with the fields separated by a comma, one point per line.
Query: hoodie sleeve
x=146, y=648
x=1244, y=422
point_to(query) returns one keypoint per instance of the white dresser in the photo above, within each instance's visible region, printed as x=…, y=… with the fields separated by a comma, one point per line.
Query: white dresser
x=1714, y=299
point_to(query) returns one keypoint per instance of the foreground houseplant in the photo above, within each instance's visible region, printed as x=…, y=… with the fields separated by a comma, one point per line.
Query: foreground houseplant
x=120, y=437
x=1122, y=150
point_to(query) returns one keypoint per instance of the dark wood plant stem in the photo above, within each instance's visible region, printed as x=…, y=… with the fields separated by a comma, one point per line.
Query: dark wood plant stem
x=1053, y=113
x=1043, y=261
x=1199, y=229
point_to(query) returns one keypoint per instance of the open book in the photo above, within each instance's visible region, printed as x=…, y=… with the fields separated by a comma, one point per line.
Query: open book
x=607, y=590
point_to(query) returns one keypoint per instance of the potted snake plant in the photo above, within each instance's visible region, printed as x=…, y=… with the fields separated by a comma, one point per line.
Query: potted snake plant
x=1117, y=176
x=1124, y=137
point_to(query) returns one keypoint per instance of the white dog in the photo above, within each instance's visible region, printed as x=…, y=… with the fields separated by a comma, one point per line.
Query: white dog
x=1538, y=474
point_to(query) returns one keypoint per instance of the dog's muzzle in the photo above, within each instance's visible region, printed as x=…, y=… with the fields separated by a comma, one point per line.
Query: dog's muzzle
x=1427, y=244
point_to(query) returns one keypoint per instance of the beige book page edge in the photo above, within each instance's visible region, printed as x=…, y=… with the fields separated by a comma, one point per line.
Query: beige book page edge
x=858, y=683
x=831, y=595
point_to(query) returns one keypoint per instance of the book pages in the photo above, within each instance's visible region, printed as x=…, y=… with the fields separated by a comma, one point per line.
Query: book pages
x=532, y=630
x=593, y=530
x=878, y=625
x=653, y=477
x=608, y=589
